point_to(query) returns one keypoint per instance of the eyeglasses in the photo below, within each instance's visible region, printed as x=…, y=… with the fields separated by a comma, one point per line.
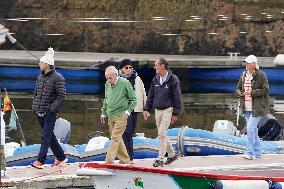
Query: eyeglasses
x=128, y=67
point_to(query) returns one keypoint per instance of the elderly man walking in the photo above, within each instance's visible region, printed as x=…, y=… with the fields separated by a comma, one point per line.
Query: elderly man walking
x=165, y=97
x=120, y=100
x=252, y=90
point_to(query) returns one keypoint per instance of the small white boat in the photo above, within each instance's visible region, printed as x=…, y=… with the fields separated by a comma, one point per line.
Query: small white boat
x=208, y=172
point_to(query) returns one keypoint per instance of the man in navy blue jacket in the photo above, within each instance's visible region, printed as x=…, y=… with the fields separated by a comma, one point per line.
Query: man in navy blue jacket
x=165, y=97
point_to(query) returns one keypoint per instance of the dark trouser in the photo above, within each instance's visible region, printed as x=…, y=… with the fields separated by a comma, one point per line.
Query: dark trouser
x=128, y=133
x=48, y=138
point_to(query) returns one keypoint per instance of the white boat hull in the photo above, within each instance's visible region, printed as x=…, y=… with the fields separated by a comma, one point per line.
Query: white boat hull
x=128, y=179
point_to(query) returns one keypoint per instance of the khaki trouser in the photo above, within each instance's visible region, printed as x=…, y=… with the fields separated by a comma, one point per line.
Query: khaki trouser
x=117, y=147
x=3, y=162
x=163, y=121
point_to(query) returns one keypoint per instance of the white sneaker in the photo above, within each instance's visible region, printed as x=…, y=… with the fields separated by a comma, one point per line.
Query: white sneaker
x=248, y=157
x=3, y=173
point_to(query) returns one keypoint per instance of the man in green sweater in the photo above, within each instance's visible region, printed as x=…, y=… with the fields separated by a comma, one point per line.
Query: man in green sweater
x=120, y=100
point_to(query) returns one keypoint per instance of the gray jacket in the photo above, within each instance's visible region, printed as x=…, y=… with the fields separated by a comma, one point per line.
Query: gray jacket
x=259, y=93
x=49, y=92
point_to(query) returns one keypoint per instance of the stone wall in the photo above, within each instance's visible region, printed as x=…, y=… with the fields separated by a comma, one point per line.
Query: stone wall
x=259, y=35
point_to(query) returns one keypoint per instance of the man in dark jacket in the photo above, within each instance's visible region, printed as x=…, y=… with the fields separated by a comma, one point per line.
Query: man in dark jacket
x=48, y=97
x=252, y=91
x=165, y=97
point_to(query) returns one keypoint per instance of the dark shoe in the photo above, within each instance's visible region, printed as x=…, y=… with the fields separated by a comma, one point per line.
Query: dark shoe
x=158, y=163
x=171, y=159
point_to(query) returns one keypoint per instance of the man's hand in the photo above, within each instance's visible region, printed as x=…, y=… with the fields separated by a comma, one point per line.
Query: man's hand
x=174, y=119
x=146, y=115
x=239, y=93
x=103, y=120
x=247, y=93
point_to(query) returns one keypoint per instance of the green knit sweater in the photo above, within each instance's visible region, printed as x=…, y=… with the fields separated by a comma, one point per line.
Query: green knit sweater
x=118, y=98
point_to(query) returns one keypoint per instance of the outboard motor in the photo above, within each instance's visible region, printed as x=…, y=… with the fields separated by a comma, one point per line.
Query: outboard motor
x=62, y=130
x=269, y=128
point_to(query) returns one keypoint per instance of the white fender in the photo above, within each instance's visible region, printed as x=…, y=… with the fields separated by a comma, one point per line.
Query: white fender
x=241, y=184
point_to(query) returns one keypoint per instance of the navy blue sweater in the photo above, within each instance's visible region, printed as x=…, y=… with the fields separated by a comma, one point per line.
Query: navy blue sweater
x=166, y=95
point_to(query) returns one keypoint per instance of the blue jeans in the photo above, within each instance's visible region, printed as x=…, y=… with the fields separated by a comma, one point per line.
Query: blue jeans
x=247, y=115
x=253, y=142
x=128, y=133
x=48, y=138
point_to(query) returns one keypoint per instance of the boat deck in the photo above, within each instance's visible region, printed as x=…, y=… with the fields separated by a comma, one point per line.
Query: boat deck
x=230, y=167
x=48, y=177
x=269, y=166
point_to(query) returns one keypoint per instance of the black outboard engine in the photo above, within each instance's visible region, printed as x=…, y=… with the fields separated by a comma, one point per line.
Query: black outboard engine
x=269, y=128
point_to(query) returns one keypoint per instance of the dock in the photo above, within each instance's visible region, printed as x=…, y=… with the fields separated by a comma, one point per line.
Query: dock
x=270, y=165
x=101, y=60
x=48, y=177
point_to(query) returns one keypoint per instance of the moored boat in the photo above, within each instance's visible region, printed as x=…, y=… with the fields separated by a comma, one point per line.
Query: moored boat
x=186, y=141
x=198, y=142
x=210, y=172
x=94, y=150
x=20, y=78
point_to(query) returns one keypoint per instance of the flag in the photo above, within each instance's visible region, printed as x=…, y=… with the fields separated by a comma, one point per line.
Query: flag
x=7, y=104
x=13, y=121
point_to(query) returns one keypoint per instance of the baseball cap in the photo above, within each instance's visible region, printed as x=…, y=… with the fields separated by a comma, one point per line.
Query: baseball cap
x=250, y=59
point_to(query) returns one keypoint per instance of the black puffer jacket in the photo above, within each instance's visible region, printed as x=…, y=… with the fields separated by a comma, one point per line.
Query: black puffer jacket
x=49, y=92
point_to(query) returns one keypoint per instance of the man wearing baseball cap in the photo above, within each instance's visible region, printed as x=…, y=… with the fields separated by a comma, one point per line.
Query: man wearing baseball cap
x=48, y=98
x=252, y=91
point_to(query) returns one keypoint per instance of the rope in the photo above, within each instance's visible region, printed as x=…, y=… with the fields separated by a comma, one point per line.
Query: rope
x=270, y=182
x=207, y=182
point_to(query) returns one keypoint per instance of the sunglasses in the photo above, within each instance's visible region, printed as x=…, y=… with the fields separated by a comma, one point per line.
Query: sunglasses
x=128, y=67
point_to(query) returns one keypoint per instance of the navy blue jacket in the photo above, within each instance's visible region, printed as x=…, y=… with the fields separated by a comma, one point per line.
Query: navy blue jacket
x=166, y=95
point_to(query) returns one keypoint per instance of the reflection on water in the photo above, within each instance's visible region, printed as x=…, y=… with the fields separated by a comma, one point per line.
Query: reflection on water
x=83, y=111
